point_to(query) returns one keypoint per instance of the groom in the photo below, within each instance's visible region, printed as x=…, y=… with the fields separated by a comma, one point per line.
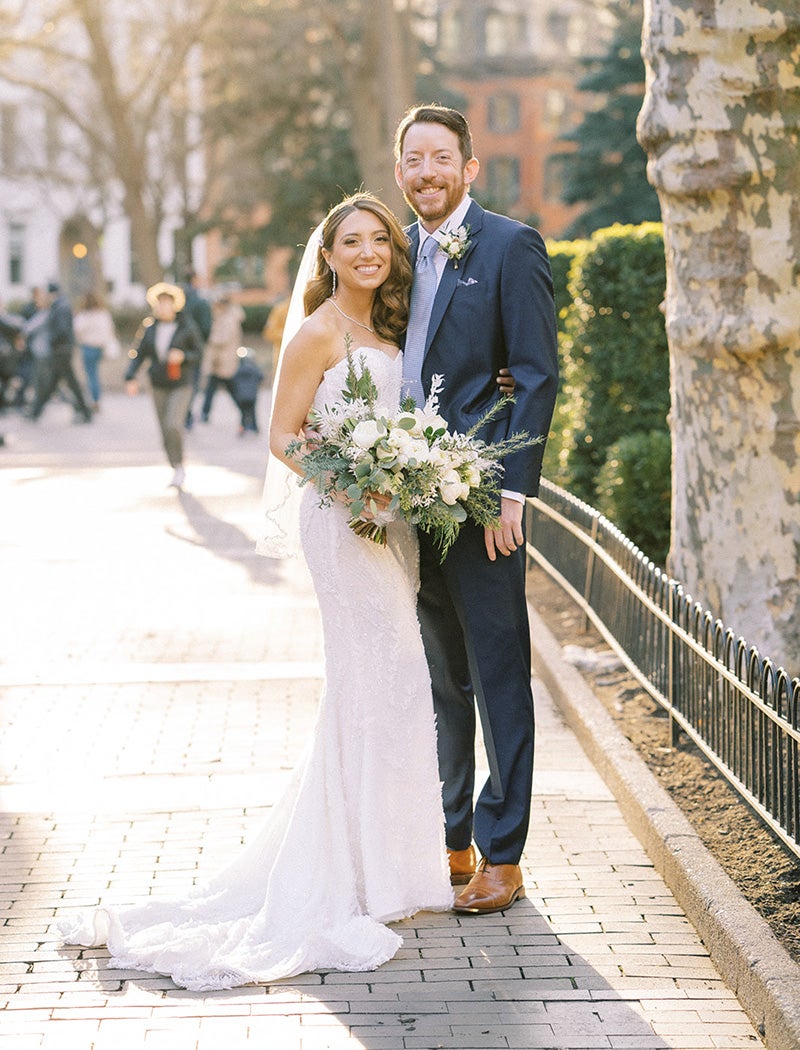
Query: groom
x=482, y=302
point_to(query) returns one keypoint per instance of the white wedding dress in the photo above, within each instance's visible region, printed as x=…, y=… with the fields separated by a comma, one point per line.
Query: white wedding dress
x=357, y=840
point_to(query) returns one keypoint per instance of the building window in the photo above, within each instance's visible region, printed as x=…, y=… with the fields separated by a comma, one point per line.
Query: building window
x=8, y=137
x=450, y=38
x=555, y=110
x=504, y=33
x=553, y=178
x=558, y=27
x=16, y=253
x=503, y=181
x=504, y=113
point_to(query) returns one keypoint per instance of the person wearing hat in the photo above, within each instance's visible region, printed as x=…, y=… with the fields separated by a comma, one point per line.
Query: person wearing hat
x=172, y=345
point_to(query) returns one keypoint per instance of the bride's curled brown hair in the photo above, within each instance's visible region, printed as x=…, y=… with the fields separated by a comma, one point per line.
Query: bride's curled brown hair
x=390, y=308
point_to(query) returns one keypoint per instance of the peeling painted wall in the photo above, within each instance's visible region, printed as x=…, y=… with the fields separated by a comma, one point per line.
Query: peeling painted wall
x=721, y=125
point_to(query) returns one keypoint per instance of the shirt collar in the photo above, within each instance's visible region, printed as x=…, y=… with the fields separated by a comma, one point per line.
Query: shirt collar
x=452, y=222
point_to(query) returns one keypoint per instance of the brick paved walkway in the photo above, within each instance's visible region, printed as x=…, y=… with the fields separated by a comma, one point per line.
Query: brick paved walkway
x=159, y=680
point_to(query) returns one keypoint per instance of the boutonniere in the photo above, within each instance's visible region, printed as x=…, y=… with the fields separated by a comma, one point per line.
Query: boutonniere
x=454, y=243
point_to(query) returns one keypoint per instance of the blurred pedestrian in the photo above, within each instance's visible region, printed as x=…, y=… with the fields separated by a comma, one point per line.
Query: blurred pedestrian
x=246, y=382
x=62, y=344
x=37, y=343
x=198, y=310
x=94, y=331
x=172, y=345
x=221, y=358
x=273, y=329
x=11, y=345
x=26, y=366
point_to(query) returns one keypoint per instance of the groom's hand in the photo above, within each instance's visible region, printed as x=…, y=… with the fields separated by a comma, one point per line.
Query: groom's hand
x=509, y=536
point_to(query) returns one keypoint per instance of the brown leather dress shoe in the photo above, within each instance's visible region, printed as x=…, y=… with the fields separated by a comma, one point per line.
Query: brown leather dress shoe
x=493, y=887
x=462, y=865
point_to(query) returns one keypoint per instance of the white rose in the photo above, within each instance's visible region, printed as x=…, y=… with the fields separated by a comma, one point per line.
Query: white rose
x=413, y=448
x=473, y=477
x=452, y=488
x=399, y=439
x=397, y=443
x=366, y=433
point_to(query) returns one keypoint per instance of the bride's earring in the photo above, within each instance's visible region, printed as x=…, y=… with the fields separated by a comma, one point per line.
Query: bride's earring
x=333, y=278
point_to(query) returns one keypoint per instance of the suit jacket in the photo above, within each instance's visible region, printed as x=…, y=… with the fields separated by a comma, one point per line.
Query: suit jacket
x=59, y=325
x=185, y=337
x=494, y=308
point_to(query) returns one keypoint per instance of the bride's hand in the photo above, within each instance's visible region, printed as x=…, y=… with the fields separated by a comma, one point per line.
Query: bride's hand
x=380, y=499
x=309, y=435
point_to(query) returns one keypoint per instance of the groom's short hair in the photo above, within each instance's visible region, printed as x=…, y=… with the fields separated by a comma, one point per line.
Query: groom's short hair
x=436, y=114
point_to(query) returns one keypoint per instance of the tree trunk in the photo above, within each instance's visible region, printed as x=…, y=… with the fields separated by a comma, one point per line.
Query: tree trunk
x=129, y=157
x=719, y=124
x=381, y=90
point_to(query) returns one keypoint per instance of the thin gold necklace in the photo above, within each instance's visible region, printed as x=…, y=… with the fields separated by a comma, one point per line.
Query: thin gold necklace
x=338, y=308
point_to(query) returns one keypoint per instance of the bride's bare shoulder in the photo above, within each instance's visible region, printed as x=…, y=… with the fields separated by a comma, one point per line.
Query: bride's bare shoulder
x=316, y=339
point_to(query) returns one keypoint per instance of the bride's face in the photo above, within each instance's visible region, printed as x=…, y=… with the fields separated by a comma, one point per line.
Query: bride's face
x=362, y=251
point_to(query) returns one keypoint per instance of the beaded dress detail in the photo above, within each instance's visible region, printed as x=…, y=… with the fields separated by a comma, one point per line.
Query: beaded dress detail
x=357, y=840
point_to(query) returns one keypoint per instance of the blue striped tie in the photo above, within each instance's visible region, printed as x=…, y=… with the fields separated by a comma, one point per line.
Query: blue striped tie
x=423, y=292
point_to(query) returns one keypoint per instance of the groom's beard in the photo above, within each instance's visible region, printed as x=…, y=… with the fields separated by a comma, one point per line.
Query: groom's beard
x=434, y=210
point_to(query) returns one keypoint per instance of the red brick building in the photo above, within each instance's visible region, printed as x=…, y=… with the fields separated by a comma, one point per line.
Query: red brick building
x=517, y=63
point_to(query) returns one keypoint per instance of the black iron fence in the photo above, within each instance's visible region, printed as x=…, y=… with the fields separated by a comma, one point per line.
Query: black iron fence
x=738, y=708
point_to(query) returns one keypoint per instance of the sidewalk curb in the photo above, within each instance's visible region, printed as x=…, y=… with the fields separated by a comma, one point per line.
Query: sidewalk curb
x=744, y=949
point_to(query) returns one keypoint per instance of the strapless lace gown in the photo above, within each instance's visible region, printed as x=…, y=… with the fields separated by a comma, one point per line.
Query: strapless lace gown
x=357, y=840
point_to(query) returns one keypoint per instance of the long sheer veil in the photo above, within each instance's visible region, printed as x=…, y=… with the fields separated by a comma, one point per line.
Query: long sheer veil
x=279, y=535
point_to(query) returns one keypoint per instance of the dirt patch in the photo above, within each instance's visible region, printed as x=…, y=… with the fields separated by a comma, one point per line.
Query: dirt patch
x=766, y=873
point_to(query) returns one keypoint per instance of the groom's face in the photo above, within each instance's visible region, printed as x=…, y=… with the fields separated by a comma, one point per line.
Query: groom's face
x=432, y=173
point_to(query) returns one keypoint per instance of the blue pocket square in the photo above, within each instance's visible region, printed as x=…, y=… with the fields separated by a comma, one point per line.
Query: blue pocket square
x=468, y=282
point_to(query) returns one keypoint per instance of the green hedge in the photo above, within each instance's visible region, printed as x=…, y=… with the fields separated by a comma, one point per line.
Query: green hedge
x=614, y=375
x=633, y=490
x=565, y=256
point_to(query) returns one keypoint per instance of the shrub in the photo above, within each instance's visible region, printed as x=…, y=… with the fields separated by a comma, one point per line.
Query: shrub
x=616, y=346
x=633, y=490
x=614, y=392
x=564, y=257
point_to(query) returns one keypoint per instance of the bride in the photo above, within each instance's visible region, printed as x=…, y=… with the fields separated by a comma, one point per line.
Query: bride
x=357, y=841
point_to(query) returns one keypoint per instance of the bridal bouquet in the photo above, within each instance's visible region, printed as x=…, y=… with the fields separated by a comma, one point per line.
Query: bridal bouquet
x=402, y=463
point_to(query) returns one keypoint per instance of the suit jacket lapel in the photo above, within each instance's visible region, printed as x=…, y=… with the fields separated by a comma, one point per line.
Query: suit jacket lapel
x=450, y=275
x=413, y=244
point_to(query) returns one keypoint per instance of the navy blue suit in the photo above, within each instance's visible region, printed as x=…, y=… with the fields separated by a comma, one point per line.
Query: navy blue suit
x=493, y=309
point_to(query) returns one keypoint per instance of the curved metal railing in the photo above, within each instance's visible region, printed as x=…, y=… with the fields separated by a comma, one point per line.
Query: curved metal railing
x=741, y=710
